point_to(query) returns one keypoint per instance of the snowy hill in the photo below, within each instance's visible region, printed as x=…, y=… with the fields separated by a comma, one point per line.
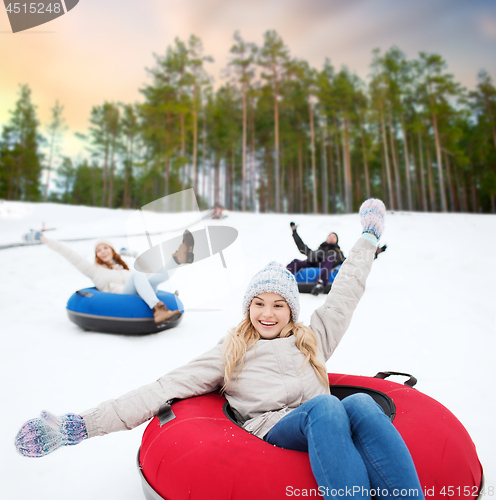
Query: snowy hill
x=429, y=309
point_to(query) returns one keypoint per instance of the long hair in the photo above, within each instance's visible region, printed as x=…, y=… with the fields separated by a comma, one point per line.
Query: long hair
x=244, y=336
x=116, y=259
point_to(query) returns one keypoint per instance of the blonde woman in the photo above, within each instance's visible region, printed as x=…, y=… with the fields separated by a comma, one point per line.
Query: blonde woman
x=272, y=371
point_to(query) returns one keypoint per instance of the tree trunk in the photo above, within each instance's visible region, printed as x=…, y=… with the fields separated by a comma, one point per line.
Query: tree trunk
x=214, y=194
x=449, y=182
x=12, y=177
x=437, y=140
x=407, y=166
x=422, y=175
x=253, y=161
x=276, y=145
x=127, y=168
x=347, y=165
x=415, y=179
x=475, y=208
x=331, y=169
x=231, y=201
x=432, y=196
x=49, y=167
x=93, y=187
x=465, y=189
x=325, y=182
x=304, y=190
x=269, y=183
x=183, y=148
x=462, y=207
x=358, y=195
x=227, y=182
x=365, y=162
x=105, y=174
x=300, y=171
x=19, y=164
x=195, y=138
x=126, y=187
x=491, y=119
x=131, y=163
x=339, y=162
x=111, y=182
x=312, y=149
x=397, y=178
x=386, y=159
x=384, y=183
x=243, y=154
x=217, y=179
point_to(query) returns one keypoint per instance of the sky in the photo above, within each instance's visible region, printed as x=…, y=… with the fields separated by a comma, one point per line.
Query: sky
x=100, y=49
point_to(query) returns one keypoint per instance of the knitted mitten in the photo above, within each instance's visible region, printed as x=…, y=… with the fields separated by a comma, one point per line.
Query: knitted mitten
x=32, y=237
x=41, y=436
x=372, y=214
x=293, y=226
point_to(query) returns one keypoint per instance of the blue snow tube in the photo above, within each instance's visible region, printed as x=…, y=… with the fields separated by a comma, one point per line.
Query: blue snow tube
x=307, y=277
x=99, y=311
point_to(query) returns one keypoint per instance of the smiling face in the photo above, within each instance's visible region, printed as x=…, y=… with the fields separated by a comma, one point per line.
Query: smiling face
x=269, y=314
x=104, y=252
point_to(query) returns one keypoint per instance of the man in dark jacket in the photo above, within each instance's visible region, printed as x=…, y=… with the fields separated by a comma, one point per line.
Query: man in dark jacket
x=327, y=257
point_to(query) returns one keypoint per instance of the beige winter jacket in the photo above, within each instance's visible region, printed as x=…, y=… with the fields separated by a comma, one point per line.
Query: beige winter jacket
x=272, y=381
x=106, y=280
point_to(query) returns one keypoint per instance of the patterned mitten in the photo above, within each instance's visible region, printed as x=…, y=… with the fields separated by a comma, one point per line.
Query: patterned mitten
x=372, y=214
x=32, y=237
x=41, y=436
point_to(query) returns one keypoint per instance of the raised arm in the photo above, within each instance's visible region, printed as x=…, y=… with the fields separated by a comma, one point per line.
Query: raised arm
x=312, y=256
x=332, y=319
x=75, y=259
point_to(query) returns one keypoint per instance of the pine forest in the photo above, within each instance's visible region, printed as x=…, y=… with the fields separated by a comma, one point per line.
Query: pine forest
x=273, y=135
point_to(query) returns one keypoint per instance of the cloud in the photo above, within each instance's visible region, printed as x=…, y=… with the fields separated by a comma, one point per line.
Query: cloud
x=99, y=52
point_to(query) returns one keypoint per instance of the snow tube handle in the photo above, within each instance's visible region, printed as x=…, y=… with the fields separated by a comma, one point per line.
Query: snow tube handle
x=165, y=413
x=410, y=382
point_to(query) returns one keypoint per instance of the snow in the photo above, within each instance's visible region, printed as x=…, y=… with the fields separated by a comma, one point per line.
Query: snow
x=429, y=310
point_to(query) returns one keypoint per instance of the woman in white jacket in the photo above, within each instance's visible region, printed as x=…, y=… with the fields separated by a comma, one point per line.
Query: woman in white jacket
x=272, y=372
x=111, y=274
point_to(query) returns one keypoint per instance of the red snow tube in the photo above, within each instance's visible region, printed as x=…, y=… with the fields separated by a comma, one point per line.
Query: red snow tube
x=201, y=454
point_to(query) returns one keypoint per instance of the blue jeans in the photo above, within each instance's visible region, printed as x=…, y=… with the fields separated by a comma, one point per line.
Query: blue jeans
x=145, y=286
x=353, y=447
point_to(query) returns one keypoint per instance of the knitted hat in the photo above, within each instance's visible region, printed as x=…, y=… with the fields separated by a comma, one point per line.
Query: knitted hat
x=337, y=237
x=274, y=278
x=103, y=242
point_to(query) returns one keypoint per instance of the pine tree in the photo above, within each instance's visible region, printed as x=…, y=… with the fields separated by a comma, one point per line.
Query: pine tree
x=438, y=87
x=55, y=129
x=243, y=61
x=20, y=157
x=198, y=80
x=66, y=175
x=273, y=57
x=130, y=129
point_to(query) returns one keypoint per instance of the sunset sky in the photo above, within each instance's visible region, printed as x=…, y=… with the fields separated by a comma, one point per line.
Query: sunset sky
x=99, y=50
